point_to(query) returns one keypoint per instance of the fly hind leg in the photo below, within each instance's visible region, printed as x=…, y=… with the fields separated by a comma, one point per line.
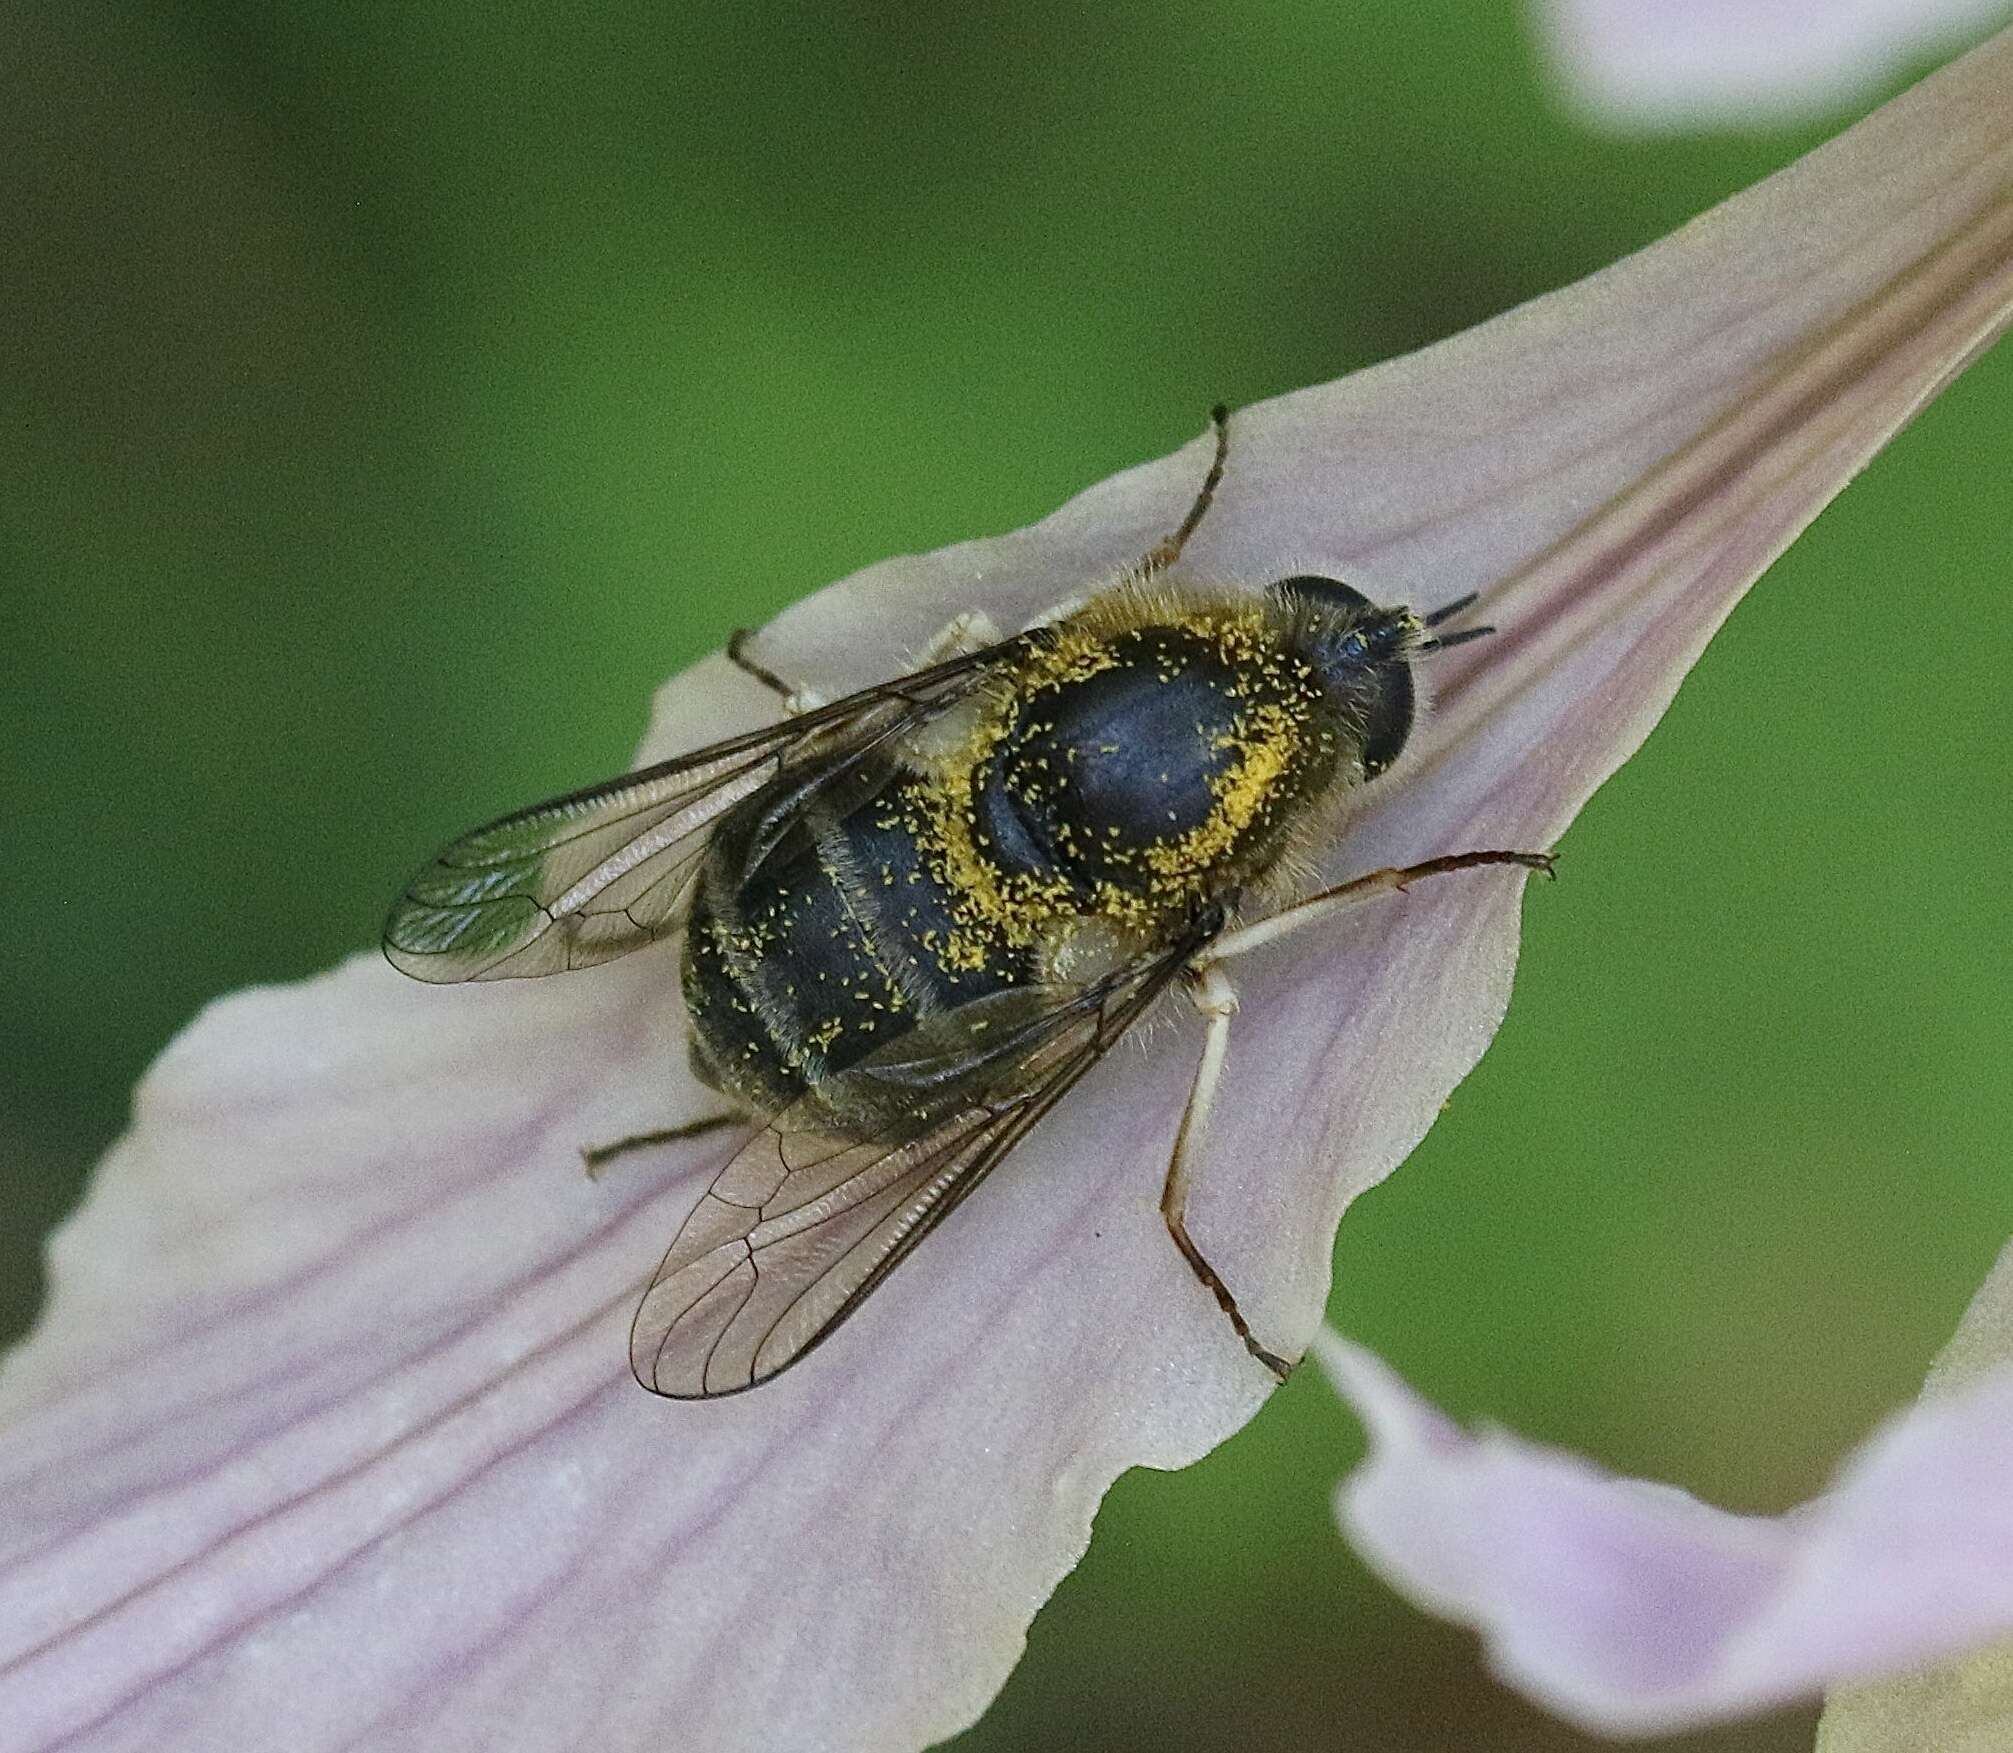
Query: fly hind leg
x=597, y=1157
x=1215, y=997
x=960, y=636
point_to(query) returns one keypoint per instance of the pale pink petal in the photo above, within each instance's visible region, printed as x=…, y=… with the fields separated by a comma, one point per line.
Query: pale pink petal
x=1631, y=1607
x=1646, y=65
x=1962, y=1706
x=328, y=1440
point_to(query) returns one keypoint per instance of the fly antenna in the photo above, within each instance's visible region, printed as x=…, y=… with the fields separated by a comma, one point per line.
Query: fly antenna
x=1447, y=611
x=1447, y=641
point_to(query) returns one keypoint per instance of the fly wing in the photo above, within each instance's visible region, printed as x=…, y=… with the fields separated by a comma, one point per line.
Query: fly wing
x=799, y=1227
x=600, y=872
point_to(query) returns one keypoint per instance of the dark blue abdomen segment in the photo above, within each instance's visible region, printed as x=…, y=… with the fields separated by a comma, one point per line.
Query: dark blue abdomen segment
x=906, y=909
x=734, y=1048
x=1097, y=773
x=781, y=981
x=818, y=974
x=806, y=951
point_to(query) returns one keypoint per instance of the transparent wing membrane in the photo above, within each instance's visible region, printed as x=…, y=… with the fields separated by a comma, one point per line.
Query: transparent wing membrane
x=598, y=873
x=799, y=1227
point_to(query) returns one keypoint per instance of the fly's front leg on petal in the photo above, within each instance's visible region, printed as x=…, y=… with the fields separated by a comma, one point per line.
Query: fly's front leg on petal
x=1326, y=903
x=1163, y=555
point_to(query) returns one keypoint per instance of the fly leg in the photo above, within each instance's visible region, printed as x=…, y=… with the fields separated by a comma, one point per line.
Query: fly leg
x=1164, y=554
x=960, y=636
x=1325, y=903
x=1212, y=994
x=1216, y=998
x=795, y=700
x=598, y=1156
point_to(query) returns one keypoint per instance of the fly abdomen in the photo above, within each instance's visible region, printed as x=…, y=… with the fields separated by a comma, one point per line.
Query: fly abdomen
x=805, y=955
x=733, y=1047
x=907, y=912
x=781, y=980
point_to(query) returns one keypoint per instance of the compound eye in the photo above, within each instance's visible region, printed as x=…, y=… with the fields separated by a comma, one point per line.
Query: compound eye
x=1327, y=593
x=1388, y=722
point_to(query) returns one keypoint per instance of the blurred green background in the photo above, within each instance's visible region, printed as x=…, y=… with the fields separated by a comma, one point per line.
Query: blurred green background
x=393, y=395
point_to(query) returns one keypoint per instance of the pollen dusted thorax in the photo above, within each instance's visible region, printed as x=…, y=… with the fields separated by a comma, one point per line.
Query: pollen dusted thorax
x=1143, y=755
x=1146, y=756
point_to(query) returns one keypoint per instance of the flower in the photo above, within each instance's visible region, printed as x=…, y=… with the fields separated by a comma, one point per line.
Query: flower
x=1631, y=1607
x=327, y=1436
x=1968, y=1702
x=1645, y=65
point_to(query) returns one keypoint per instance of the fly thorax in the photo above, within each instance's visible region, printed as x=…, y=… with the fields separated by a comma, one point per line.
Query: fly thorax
x=1129, y=774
